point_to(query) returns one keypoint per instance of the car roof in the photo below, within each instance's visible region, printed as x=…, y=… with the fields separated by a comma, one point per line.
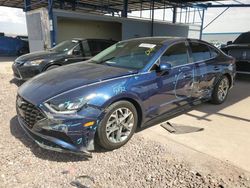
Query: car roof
x=81, y=39
x=163, y=40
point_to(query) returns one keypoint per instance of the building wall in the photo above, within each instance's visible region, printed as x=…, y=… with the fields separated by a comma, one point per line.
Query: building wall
x=70, y=28
x=136, y=28
x=71, y=24
x=129, y=28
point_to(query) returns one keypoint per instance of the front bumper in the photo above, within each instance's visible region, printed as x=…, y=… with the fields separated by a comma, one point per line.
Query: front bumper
x=25, y=72
x=58, y=132
x=52, y=143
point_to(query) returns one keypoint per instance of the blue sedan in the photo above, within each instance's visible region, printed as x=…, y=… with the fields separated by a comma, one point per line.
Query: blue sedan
x=103, y=100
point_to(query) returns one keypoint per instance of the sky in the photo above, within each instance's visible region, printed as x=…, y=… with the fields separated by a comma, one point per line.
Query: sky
x=12, y=21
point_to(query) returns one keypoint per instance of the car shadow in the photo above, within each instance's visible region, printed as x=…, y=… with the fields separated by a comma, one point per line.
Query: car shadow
x=17, y=82
x=39, y=152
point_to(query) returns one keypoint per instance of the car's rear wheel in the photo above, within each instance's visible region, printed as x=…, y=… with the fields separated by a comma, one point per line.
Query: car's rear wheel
x=118, y=125
x=52, y=67
x=220, y=91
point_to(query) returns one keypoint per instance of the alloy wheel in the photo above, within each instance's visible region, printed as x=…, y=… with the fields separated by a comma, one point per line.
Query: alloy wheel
x=119, y=125
x=223, y=89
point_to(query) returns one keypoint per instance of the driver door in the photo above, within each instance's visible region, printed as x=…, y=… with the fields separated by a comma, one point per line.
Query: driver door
x=174, y=87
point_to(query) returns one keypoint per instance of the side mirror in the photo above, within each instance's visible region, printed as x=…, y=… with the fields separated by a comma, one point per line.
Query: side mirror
x=229, y=42
x=165, y=67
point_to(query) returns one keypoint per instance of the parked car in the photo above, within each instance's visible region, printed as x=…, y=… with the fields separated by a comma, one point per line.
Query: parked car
x=66, y=52
x=103, y=100
x=13, y=46
x=240, y=50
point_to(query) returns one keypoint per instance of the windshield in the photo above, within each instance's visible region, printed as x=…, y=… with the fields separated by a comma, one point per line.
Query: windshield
x=129, y=54
x=244, y=38
x=65, y=46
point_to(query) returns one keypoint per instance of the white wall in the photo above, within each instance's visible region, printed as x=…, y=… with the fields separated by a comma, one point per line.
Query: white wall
x=75, y=28
x=131, y=28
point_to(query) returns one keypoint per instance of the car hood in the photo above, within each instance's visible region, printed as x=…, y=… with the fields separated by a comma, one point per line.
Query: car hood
x=46, y=55
x=59, y=80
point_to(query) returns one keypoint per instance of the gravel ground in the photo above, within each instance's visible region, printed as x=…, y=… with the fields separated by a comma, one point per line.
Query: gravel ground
x=140, y=163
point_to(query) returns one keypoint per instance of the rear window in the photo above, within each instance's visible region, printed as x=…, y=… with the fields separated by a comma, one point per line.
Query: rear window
x=244, y=38
x=200, y=51
x=96, y=46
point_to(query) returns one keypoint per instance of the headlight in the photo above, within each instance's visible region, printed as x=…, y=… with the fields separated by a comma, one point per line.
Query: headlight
x=33, y=63
x=66, y=107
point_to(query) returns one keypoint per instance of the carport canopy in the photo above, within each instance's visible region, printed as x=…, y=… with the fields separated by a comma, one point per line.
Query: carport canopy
x=109, y=6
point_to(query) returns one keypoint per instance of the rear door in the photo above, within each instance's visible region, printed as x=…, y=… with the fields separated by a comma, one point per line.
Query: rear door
x=201, y=58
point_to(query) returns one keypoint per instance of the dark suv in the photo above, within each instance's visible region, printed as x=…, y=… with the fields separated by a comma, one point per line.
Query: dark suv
x=66, y=52
x=240, y=50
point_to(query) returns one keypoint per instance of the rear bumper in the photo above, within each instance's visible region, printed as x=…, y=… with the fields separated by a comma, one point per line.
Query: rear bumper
x=52, y=143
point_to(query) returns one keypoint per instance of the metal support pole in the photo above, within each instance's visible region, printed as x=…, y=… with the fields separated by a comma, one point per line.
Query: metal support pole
x=188, y=14
x=141, y=9
x=152, y=18
x=174, y=14
x=202, y=22
x=125, y=9
x=74, y=5
x=27, y=6
x=164, y=10
x=51, y=23
x=62, y=4
x=180, y=14
x=194, y=15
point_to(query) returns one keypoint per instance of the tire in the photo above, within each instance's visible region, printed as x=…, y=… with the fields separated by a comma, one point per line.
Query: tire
x=52, y=67
x=107, y=135
x=220, y=91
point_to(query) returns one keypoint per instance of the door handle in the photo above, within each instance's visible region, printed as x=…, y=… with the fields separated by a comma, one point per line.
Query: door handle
x=216, y=68
x=184, y=68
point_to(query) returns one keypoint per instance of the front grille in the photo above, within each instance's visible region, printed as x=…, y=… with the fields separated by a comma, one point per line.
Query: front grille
x=28, y=112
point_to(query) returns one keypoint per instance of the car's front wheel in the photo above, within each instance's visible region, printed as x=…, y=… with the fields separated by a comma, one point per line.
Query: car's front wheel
x=220, y=90
x=118, y=125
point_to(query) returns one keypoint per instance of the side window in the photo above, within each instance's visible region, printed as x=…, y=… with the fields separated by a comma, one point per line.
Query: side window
x=77, y=51
x=104, y=45
x=95, y=47
x=176, y=55
x=200, y=51
x=86, y=49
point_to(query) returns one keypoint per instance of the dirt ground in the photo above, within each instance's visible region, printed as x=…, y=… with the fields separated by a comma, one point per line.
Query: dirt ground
x=142, y=162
